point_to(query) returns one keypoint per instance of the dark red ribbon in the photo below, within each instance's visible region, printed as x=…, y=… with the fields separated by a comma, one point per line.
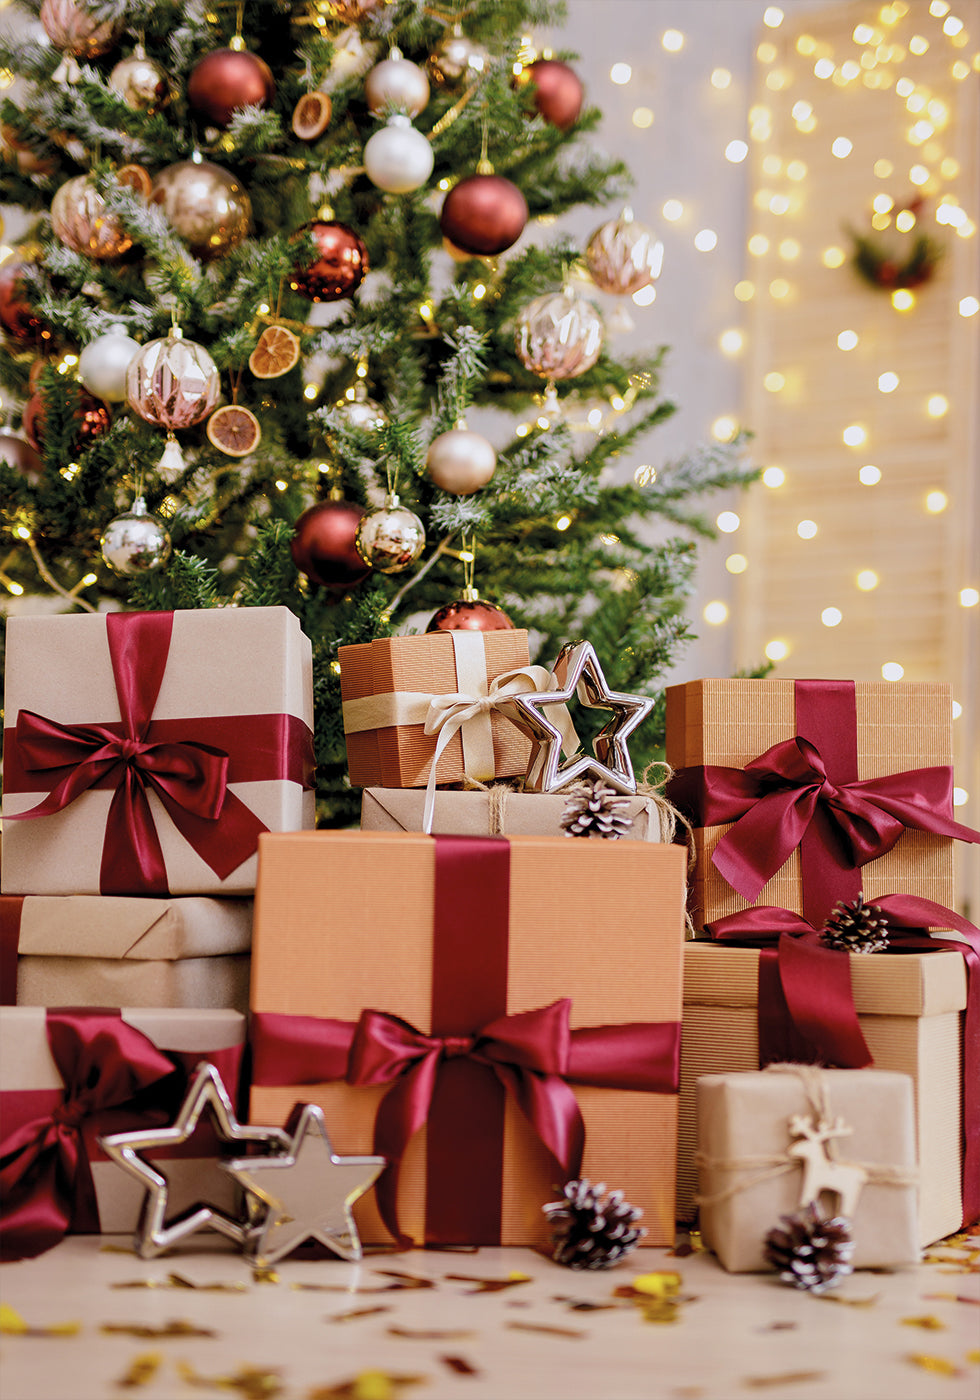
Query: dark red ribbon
x=806, y=1002
x=804, y=792
x=136, y=754
x=11, y=912
x=45, y=1178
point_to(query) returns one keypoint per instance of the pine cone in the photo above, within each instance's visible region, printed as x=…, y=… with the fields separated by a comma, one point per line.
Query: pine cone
x=589, y=1232
x=811, y=1252
x=596, y=809
x=856, y=927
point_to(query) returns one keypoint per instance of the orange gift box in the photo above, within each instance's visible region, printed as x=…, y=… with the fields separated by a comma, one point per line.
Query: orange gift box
x=865, y=733
x=495, y=933
x=387, y=686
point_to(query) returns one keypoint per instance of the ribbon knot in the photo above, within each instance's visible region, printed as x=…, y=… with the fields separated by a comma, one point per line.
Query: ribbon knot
x=71, y=1114
x=454, y=1047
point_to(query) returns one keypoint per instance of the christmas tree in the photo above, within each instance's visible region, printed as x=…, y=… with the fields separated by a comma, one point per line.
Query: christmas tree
x=291, y=325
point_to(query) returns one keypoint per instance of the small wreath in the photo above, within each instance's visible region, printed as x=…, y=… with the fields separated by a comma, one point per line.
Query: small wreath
x=880, y=264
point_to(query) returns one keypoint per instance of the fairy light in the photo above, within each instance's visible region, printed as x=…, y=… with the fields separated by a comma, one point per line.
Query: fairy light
x=620, y=73
x=282, y=485
x=724, y=429
x=774, y=382
x=642, y=118
x=957, y=709
x=789, y=249
x=595, y=418
x=774, y=477
x=13, y=587
x=736, y=563
x=777, y=650
x=969, y=597
x=869, y=475
x=672, y=210
x=807, y=529
x=310, y=392
x=727, y=522
x=479, y=292
x=323, y=468
x=88, y=580
x=736, y=151
x=758, y=245
x=867, y=580
x=960, y=797
x=706, y=240
x=833, y=257
x=969, y=306
x=847, y=340
x=779, y=289
x=645, y=475
x=744, y=290
x=672, y=40
x=831, y=617
x=842, y=147
x=715, y=612
x=618, y=403
x=902, y=299
x=936, y=502
x=854, y=435
x=721, y=78
x=563, y=522
x=892, y=671
x=22, y=532
x=937, y=406
x=731, y=342
x=888, y=382
x=773, y=17
x=522, y=429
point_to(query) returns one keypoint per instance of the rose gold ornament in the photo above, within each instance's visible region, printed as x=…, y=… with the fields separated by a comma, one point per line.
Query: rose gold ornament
x=82, y=221
x=172, y=382
x=559, y=335
x=396, y=85
x=558, y=92
x=350, y=11
x=460, y=461
x=77, y=32
x=17, y=316
x=470, y=614
x=323, y=545
x=339, y=268
x=141, y=82
x=483, y=215
x=227, y=79
x=205, y=205
x=390, y=538
x=624, y=256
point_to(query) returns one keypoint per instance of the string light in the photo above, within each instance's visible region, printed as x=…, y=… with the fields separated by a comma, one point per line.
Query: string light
x=620, y=73
x=672, y=40
x=866, y=580
x=854, y=435
x=831, y=617
x=715, y=612
x=672, y=210
x=807, y=529
x=721, y=78
x=773, y=477
x=869, y=475
x=892, y=671
x=777, y=650
x=936, y=501
x=969, y=306
x=727, y=522
x=731, y=342
x=937, y=406
x=957, y=709
x=969, y=597
x=960, y=797
x=847, y=340
x=887, y=383
x=736, y=151
x=736, y=563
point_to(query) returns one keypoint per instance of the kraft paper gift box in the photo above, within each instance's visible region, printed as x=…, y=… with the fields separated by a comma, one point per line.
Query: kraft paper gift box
x=387, y=686
x=115, y=950
x=44, y=1128
x=911, y=1011
x=865, y=734
x=500, y=811
x=450, y=934
x=152, y=749
x=775, y=1139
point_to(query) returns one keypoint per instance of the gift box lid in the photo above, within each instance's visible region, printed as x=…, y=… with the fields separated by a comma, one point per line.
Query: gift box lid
x=110, y=926
x=520, y=813
x=906, y=984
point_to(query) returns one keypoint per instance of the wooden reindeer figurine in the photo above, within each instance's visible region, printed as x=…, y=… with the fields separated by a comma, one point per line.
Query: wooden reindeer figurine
x=821, y=1171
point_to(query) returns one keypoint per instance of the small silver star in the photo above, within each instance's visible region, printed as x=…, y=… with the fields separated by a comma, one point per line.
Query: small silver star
x=206, y=1091
x=578, y=672
x=308, y=1192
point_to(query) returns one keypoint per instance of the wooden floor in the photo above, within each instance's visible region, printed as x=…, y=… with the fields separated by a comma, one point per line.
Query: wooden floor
x=323, y=1327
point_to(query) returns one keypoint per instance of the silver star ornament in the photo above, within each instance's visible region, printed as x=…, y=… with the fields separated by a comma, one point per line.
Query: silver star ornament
x=578, y=673
x=203, y=1205
x=308, y=1192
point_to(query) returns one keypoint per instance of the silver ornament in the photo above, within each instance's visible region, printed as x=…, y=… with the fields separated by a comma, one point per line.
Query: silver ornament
x=460, y=461
x=360, y=411
x=398, y=158
x=457, y=57
x=103, y=363
x=173, y=382
x=205, y=205
x=396, y=85
x=624, y=256
x=390, y=538
x=135, y=543
x=559, y=335
x=141, y=82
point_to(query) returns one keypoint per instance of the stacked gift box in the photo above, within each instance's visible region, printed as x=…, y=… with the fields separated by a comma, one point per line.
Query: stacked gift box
x=143, y=756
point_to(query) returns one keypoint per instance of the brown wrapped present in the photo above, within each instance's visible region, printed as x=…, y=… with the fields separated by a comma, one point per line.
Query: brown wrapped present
x=71, y=1074
x=499, y=811
x=106, y=950
x=145, y=752
x=389, y=686
x=806, y=792
x=774, y=1140
x=470, y=953
x=910, y=1009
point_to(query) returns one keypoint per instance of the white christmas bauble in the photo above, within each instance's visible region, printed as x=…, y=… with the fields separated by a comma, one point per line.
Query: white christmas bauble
x=398, y=158
x=103, y=363
x=460, y=461
x=396, y=84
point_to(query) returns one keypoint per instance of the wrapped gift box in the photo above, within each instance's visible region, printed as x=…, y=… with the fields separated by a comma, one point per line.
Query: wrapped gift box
x=209, y=710
x=761, y=1157
x=500, y=812
x=910, y=1009
x=114, y=950
x=32, y=1092
x=863, y=731
x=449, y=938
x=387, y=686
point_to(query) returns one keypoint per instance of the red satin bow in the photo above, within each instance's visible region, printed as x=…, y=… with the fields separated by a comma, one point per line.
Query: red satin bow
x=190, y=778
x=531, y=1053
x=45, y=1178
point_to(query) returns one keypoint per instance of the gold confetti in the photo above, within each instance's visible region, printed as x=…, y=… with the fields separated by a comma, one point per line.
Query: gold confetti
x=548, y=1329
x=141, y=1369
x=662, y=1284
x=265, y=1274
x=869, y=1302
x=369, y=1385
x=937, y=1364
x=179, y=1281
x=929, y=1323
x=490, y=1285
x=251, y=1382
x=951, y=1298
x=430, y=1334
x=778, y=1327
x=178, y=1328
x=13, y=1325
x=973, y=1356
x=355, y=1313
x=786, y=1378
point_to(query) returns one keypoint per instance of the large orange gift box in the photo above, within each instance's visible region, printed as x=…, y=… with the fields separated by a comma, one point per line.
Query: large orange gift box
x=145, y=752
x=802, y=793
x=467, y=1008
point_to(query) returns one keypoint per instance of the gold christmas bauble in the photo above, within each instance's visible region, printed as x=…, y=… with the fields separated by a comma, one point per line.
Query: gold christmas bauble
x=80, y=218
x=205, y=205
x=141, y=82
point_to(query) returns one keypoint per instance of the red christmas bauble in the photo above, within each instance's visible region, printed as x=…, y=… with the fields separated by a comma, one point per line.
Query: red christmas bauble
x=340, y=268
x=92, y=415
x=323, y=544
x=17, y=316
x=483, y=215
x=228, y=79
x=21, y=456
x=558, y=92
x=466, y=615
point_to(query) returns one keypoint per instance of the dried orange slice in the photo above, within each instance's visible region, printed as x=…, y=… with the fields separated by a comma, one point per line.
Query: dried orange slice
x=234, y=430
x=276, y=352
x=137, y=177
x=311, y=116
